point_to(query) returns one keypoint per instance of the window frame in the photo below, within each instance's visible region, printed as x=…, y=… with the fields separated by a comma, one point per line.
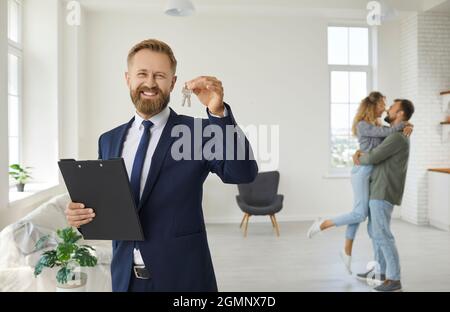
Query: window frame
x=16, y=49
x=12, y=43
x=368, y=69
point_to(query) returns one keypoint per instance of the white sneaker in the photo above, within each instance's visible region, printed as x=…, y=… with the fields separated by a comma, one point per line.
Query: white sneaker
x=347, y=261
x=314, y=229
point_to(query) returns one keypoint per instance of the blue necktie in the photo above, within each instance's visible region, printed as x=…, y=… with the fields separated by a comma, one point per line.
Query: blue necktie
x=139, y=159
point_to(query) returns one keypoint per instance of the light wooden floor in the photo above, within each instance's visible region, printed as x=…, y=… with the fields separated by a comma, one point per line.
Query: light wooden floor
x=263, y=262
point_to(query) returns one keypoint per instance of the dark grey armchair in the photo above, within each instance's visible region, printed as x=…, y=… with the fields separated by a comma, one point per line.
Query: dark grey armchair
x=260, y=198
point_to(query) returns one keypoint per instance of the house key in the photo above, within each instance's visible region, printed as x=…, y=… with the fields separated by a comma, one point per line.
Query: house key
x=186, y=96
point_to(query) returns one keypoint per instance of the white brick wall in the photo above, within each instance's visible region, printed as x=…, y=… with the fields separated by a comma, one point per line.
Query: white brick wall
x=425, y=72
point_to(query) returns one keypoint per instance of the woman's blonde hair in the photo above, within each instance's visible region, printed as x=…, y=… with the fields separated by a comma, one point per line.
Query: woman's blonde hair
x=367, y=111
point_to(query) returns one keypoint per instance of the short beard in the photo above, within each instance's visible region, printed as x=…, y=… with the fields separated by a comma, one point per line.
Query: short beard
x=149, y=107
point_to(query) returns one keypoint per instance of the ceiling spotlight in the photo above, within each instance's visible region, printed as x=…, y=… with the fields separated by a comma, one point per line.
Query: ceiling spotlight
x=179, y=8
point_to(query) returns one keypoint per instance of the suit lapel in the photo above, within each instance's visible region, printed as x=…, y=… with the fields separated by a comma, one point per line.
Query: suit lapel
x=119, y=139
x=164, y=144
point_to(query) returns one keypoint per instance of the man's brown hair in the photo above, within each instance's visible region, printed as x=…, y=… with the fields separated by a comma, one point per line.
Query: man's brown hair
x=155, y=46
x=407, y=107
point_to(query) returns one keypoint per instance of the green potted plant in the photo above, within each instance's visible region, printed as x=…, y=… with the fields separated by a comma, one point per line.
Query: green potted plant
x=21, y=175
x=69, y=256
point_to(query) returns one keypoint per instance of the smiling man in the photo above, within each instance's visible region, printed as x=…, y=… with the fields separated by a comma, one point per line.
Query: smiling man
x=168, y=192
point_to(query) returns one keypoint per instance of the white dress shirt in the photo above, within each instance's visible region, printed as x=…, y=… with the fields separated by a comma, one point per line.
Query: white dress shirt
x=130, y=147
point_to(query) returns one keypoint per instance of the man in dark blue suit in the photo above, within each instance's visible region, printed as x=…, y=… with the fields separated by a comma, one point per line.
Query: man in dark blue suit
x=167, y=171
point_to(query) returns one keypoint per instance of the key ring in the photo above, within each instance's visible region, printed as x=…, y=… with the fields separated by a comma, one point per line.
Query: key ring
x=186, y=96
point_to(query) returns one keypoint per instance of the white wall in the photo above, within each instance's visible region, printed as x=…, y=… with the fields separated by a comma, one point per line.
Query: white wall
x=274, y=70
x=72, y=87
x=389, y=60
x=40, y=88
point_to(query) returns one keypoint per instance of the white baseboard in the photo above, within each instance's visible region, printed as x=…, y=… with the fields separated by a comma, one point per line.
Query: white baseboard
x=280, y=218
x=440, y=225
x=263, y=219
x=414, y=221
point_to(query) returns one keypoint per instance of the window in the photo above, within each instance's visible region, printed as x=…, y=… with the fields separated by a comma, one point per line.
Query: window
x=14, y=79
x=350, y=72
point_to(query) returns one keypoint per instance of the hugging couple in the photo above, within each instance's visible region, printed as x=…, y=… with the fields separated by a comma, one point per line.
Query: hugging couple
x=378, y=181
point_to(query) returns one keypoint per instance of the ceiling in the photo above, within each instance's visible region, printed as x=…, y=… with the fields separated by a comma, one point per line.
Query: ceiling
x=258, y=5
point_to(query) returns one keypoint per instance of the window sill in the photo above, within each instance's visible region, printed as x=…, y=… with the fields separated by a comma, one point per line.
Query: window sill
x=33, y=192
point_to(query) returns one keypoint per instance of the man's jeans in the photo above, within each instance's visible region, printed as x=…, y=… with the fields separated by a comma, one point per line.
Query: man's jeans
x=379, y=228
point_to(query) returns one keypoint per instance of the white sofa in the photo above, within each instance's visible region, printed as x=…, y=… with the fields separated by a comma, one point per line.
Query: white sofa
x=17, y=258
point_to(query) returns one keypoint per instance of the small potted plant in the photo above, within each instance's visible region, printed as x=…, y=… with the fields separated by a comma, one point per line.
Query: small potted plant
x=69, y=256
x=21, y=175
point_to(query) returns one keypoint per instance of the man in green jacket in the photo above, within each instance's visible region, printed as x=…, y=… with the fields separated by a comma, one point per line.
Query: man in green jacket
x=387, y=184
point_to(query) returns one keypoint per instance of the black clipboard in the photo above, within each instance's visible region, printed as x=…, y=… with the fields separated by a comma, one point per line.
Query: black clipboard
x=104, y=186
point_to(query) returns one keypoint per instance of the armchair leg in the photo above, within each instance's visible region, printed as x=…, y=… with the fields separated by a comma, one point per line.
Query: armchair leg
x=271, y=219
x=246, y=224
x=274, y=221
x=243, y=219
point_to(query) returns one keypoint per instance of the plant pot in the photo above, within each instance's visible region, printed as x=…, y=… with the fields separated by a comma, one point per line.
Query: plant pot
x=76, y=285
x=20, y=187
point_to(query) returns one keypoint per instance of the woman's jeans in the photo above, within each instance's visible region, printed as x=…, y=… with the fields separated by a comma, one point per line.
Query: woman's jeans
x=360, y=185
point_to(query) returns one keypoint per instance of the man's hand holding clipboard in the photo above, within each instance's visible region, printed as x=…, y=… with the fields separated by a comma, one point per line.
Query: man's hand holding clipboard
x=77, y=214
